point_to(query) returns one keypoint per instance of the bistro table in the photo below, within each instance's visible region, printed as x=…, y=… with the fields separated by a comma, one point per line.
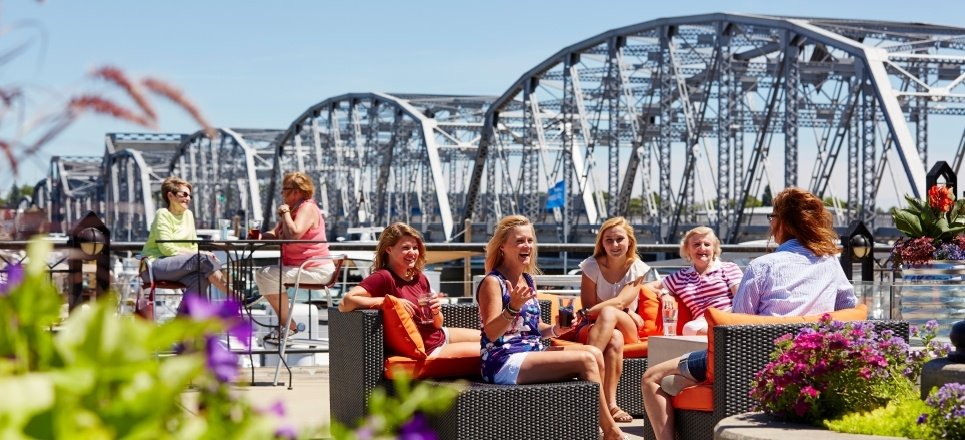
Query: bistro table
x=662, y=348
x=239, y=276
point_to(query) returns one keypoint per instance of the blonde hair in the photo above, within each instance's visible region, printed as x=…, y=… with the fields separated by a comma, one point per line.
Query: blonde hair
x=301, y=181
x=802, y=215
x=699, y=230
x=494, y=256
x=171, y=185
x=390, y=237
x=613, y=222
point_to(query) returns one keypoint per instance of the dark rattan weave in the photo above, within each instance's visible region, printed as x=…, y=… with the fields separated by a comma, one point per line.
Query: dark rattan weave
x=629, y=397
x=549, y=411
x=740, y=351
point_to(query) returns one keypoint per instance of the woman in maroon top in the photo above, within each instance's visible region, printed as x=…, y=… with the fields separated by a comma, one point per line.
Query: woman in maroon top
x=400, y=257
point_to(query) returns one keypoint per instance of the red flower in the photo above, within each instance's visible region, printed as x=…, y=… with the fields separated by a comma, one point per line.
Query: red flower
x=940, y=198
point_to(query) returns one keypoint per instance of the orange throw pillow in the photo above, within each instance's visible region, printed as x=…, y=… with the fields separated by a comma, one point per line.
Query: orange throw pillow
x=401, y=334
x=718, y=317
x=434, y=367
x=649, y=309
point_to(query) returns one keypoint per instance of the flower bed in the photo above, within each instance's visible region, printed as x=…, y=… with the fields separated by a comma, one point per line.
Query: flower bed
x=848, y=377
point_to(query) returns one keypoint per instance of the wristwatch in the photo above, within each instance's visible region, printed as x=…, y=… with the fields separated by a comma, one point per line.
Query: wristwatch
x=584, y=313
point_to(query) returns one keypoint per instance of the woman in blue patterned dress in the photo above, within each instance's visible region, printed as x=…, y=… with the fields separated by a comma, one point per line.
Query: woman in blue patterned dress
x=511, y=332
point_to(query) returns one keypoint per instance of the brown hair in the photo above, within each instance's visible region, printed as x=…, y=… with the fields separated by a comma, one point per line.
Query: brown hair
x=801, y=215
x=494, y=257
x=171, y=185
x=621, y=222
x=301, y=181
x=699, y=230
x=390, y=237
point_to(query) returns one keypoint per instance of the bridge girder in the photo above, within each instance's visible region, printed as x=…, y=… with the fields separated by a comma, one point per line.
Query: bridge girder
x=231, y=173
x=379, y=157
x=736, y=80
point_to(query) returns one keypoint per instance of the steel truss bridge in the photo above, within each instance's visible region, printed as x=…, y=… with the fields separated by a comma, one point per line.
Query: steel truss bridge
x=671, y=122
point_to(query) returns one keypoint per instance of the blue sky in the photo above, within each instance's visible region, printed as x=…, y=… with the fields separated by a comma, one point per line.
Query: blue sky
x=260, y=64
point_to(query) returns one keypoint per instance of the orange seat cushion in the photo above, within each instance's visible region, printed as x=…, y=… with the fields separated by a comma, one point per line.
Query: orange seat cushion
x=717, y=317
x=696, y=398
x=636, y=349
x=401, y=334
x=649, y=309
x=434, y=367
x=632, y=350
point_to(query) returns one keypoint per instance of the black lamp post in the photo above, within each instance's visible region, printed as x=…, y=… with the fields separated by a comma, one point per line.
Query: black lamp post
x=858, y=246
x=89, y=240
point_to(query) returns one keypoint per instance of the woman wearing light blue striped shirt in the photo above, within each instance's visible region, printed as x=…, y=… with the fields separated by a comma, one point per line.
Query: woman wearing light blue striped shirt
x=802, y=277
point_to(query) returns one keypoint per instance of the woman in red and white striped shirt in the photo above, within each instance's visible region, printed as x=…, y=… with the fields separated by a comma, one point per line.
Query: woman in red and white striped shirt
x=708, y=283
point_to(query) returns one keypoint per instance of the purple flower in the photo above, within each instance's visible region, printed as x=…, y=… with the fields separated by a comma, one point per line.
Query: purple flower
x=949, y=251
x=277, y=408
x=922, y=418
x=948, y=403
x=199, y=308
x=364, y=433
x=832, y=368
x=14, y=276
x=417, y=428
x=222, y=363
x=286, y=431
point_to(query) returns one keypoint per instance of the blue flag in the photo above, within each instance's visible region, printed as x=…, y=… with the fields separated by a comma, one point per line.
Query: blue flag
x=555, y=197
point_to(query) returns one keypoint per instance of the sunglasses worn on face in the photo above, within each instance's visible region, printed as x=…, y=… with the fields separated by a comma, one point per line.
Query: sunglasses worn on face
x=182, y=194
x=770, y=217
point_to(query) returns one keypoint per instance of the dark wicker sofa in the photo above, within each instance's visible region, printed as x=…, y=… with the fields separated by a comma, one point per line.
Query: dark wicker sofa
x=548, y=411
x=739, y=352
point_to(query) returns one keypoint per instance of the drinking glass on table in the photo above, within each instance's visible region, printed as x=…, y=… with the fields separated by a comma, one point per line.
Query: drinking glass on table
x=254, y=229
x=669, y=310
x=424, y=314
x=224, y=224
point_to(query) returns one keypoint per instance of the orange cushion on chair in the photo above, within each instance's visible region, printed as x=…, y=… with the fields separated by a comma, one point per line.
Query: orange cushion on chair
x=401, y=334
x=634, y=350
x=696, y=398
x=717, y=317
x=434, y=367
x=649, y=309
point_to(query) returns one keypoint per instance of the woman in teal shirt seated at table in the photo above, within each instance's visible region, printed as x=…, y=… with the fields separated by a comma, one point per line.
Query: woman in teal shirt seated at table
x=179, y=262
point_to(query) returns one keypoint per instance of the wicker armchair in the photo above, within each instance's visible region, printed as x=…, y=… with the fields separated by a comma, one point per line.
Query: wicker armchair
x=550, y=411
x=740, y=351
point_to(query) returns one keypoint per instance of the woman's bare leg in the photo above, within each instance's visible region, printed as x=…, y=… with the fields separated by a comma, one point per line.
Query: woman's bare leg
x=457, y=334
x=656, y=402
x=459, y=349
x=605, y=334
x=279, y=303
x=217, y=279
x=584, y=362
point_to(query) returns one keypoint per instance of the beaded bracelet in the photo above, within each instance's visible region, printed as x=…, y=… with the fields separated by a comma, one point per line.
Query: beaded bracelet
x=511, y=310
x=509, y=318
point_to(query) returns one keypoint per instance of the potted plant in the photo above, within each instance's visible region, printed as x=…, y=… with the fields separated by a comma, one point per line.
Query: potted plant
x=847, y=377
x=932, y=232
